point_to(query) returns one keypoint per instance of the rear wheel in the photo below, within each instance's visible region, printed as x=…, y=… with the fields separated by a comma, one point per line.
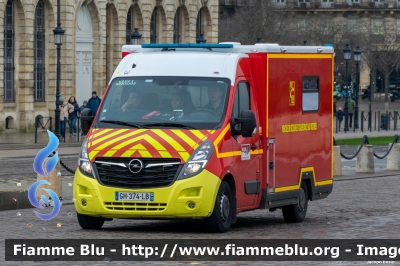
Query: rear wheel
x=90, y=222
x=297, y=212
x=221, y=218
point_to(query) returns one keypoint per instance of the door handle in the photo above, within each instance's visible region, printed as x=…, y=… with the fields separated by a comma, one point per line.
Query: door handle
x=253, y=147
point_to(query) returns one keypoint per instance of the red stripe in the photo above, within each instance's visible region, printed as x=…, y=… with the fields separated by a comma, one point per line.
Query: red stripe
x=146, y=145
x=95, y=136
x=168, y=146
x=194, y=137
x=182, y=142
x=120, y=141
x=122, y=133
x=91, y=148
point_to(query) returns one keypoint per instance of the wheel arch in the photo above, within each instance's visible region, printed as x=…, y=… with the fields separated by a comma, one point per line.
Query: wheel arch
x=231, y=182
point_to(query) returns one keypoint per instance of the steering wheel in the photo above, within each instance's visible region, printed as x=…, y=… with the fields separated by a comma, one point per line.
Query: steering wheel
x=207, y=110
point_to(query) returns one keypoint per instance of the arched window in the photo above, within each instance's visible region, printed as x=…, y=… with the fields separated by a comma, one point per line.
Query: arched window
x=177, y=22
x=9, y=52
x=153, y=26
x=129, y=25
x=39, y=52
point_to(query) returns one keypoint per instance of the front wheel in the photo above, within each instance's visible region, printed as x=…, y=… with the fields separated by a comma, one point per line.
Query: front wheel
x=297, y=212
x=221, y=218
x=90, y=222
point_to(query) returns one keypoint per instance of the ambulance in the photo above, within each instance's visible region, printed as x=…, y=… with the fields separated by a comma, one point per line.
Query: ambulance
x=206, y=131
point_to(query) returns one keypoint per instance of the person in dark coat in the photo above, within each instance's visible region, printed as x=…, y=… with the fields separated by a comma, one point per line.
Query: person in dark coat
x=94, y=103
x=73, y=116
x=339, y=116
x=83, y=106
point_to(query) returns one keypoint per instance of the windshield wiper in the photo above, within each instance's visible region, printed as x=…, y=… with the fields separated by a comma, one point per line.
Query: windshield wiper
x=123, y=123
x=166, y=124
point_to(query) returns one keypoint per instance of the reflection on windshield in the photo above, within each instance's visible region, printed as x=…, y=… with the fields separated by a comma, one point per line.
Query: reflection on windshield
x=166, y=102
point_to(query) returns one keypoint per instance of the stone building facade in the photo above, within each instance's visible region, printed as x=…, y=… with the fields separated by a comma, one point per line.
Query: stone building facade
x=95, y=31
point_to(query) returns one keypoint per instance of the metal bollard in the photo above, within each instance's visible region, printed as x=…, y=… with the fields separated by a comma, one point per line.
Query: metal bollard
x=365, y=160
x=54, y=180
x=337, y=161
x=393, y=158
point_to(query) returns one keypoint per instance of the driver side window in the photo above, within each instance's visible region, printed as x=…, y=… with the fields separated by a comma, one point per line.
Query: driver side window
x=242, y=99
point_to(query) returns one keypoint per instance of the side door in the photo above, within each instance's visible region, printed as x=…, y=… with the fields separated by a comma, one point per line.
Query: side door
x=247, y=159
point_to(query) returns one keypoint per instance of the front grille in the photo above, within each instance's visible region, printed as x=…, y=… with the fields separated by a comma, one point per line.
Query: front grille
x=118, y=176
x=135, y=206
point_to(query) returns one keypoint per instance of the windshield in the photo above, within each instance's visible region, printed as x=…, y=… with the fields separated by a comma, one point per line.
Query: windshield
x=173, y=102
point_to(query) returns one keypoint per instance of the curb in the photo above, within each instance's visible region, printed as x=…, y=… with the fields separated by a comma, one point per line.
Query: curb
x=16, y=200
x=365, y=176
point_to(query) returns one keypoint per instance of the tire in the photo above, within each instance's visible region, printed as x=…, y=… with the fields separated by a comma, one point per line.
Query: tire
x=297, y=212
x=90, y=222
x=221, y=218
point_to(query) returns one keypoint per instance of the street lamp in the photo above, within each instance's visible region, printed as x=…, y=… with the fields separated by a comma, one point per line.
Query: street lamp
x=135, y=37
x=58, y=40
x=357, y=59
x=201, y=39
x=369, y=105
x=347, y=55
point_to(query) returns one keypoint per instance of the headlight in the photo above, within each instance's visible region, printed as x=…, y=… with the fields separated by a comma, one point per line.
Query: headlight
x=197, y=161
x=84, y=163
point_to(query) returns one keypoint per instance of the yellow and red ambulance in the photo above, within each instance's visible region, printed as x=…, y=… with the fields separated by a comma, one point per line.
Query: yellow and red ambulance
x=208, y=131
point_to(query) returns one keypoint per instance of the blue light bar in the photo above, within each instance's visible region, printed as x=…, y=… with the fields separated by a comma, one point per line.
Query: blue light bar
x=186, y=45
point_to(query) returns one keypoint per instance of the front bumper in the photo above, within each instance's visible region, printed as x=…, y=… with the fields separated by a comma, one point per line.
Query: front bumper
x=169, y=202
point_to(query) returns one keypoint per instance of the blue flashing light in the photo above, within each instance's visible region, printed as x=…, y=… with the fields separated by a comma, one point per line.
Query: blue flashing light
x=186, y=45
x=329, y=44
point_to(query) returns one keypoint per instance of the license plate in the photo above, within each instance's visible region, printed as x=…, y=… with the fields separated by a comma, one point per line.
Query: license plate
x=134, y=196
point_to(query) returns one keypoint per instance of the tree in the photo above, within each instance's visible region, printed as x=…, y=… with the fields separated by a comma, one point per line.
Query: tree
x=264, y=20
x=383, y=55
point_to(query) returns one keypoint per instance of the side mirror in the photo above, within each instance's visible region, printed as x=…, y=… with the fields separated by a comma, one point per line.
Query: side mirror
x=247, y=122
x=86, y=120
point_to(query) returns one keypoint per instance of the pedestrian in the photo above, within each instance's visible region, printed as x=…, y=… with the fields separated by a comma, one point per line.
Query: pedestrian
x=84, y=104
x=94, y=103
x=339, y=116
x=73, y=116
x=66, y=108
x=351, y=106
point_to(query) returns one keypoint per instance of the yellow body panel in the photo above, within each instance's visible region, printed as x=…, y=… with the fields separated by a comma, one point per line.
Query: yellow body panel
x=169, y=202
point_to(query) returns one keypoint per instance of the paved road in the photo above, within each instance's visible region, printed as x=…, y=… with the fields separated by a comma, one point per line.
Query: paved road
x=357, y=209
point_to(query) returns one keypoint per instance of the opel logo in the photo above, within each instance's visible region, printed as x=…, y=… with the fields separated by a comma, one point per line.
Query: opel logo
x=135, y=166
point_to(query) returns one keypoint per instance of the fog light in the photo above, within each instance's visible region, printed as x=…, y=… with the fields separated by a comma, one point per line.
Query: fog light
x=84, y=202
x=192, y=205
